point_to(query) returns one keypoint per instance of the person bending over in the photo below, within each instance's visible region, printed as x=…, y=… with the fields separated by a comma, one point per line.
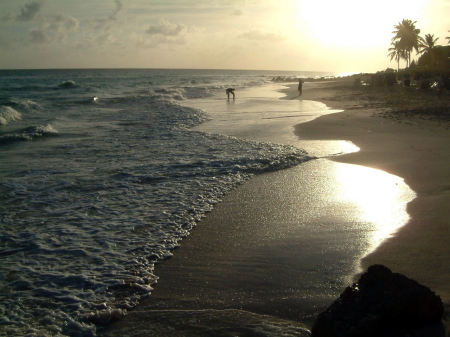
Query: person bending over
x=230, y=91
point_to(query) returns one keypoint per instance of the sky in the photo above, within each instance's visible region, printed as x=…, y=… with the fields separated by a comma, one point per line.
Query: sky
x=304, y=35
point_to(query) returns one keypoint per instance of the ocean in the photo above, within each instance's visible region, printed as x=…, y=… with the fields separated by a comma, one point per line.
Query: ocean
x=101, y=177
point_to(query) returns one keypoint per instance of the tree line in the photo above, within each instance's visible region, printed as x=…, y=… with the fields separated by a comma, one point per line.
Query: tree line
x=407, y=39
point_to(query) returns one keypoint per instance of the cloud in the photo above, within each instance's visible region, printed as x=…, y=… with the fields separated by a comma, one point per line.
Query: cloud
x=29, y=11
x=164, y=32
x=38, y=36
x=105, y=23
x=157, y=40
x=62, y=23
x=165, y=28
x=105, y=38
x=237, y=12
x=119, y=7
x=55, y=27
x=258, y=35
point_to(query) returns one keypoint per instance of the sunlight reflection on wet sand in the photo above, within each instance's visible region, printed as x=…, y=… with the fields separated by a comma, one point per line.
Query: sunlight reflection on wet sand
x=379, y=198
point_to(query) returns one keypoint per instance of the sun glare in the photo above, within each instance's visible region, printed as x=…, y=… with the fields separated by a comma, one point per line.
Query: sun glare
x=355, y=23
x=379, y=197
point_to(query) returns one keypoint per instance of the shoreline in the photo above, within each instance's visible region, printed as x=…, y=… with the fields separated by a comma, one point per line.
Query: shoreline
x=190, y=285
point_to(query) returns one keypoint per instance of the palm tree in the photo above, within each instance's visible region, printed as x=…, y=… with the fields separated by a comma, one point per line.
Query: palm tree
x=407, y=35
x=427, y=46
x=396, y=52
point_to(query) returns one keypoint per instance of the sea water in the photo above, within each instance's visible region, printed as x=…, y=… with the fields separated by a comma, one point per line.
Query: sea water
x=101, y=176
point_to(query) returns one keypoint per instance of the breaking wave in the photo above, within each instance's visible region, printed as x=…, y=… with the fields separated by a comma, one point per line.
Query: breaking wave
x=8, y=114
x=28, y=134
x=67, y=85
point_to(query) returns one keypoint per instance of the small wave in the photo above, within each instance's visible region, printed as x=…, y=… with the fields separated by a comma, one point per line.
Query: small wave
x=167, y=94
x=67, y=85
x=183, y=93
x=28, y=134
x=23, y=104
x=8, y=114
x=199, y=92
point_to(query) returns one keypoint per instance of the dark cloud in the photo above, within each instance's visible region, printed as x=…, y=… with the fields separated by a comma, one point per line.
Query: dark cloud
x=38, y=36
x=62, y=23
x=29, y=11
x=258, y=35
x=165, y=28
x=54, y=28
x=163, y=33
x=105, y=23
x=117, y=10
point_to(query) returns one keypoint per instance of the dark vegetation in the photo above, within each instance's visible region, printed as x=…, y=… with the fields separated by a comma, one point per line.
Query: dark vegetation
x=432, y=68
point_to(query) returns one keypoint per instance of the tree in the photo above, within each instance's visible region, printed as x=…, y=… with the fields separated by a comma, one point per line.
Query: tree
x=396, y=52
x=407, y=36
x=427, y=46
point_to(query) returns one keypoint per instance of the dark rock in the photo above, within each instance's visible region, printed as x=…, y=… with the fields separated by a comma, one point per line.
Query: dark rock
x=382, y=303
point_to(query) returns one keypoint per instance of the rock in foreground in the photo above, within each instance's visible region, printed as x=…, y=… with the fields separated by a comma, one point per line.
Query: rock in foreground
x=382, y=303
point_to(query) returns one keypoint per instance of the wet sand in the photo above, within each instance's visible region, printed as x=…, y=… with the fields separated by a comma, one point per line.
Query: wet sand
x=282, y=246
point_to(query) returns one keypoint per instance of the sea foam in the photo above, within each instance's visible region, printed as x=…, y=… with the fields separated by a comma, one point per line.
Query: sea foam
x=8, y=114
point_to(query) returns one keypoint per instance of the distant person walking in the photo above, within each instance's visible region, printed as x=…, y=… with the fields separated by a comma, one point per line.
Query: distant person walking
x=300, y=87
x=230, y=91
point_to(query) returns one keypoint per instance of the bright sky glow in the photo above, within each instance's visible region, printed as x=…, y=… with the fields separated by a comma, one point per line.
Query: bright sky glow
x=319, y=35
x=355, y=23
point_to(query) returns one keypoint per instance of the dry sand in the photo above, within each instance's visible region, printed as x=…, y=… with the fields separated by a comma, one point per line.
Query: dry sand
x=236, y=274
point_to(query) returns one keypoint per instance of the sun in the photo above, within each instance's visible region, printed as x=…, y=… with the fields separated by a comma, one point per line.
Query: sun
x=355, y=23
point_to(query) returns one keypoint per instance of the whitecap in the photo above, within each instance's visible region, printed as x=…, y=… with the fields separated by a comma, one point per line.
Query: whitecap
x=8, y=114
x=67, y=84
x=28, y=134
x=24, y=103
x=43, y=130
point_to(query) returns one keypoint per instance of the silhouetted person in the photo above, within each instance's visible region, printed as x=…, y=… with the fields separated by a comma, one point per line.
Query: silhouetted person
x=230, y=91
x=406, y=80
x=300, y=87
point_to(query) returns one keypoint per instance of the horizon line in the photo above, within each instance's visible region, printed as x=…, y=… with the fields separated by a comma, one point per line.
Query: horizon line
x=156, y=68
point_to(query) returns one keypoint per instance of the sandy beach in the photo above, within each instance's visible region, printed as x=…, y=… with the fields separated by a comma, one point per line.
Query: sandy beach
x=281, y=247
x=402, y=134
